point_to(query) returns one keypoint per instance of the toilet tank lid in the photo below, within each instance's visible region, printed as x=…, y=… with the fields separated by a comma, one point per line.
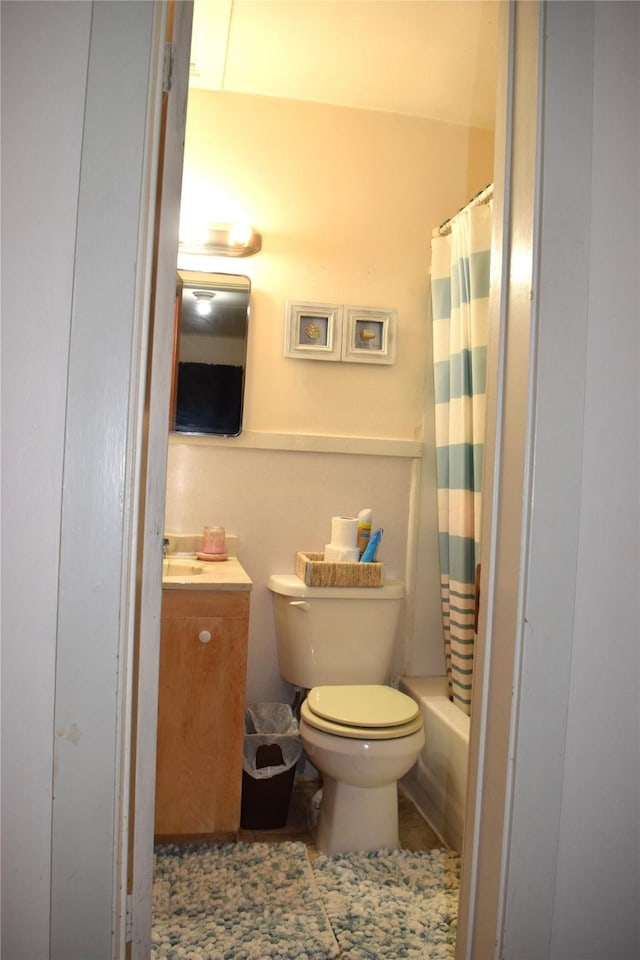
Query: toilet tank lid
x=289, y=585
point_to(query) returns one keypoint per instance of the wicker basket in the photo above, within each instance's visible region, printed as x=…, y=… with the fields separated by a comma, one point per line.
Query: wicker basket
x=316, y=572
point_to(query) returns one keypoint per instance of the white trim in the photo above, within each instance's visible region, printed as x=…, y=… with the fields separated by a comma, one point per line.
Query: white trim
x=150, y=532
x=308, y=443
x=553, y=489
x=123, y=901
x=487, y=829
x=491, y=489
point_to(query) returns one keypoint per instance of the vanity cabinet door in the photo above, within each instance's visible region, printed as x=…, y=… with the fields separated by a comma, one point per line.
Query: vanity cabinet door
x=201, y=704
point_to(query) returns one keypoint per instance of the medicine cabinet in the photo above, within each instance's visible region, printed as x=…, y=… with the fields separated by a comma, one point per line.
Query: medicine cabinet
x=210, y=351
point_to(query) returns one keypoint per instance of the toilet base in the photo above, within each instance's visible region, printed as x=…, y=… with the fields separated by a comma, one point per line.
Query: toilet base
x=357, y=819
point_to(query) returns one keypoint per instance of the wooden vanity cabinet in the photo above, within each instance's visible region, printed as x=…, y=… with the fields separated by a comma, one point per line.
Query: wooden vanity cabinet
x=201, y=704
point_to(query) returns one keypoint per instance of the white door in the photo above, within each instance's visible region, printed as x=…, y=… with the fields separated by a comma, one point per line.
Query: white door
x=81, y=119
x=102, y=470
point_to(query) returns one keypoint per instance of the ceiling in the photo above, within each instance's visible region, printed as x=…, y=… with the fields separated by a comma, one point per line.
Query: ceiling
x=424, y=58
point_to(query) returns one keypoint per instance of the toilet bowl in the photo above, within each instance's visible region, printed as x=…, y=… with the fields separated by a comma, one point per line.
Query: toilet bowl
x=362, y=738
x=360, y=734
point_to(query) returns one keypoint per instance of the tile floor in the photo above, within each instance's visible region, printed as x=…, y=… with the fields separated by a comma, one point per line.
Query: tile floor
x=415, y=832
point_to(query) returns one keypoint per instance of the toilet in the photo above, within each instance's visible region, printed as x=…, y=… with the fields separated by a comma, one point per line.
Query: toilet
x=335, y=644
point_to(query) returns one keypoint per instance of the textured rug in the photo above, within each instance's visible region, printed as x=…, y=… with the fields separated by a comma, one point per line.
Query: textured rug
x=261, y=901
x=392, y=904
x=243, y=901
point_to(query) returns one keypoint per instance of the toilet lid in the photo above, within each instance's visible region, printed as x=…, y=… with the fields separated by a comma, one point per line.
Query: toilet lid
x=358, y=733
x=362, y=705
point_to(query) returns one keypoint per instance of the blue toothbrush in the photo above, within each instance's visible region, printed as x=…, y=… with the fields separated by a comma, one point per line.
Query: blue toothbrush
x=369, y=554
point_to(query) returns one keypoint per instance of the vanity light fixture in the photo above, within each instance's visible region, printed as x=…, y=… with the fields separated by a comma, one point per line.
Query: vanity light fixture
x=225, y=240
x=204, y=302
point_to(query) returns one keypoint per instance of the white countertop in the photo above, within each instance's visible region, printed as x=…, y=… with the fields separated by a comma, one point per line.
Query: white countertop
x=190, y=573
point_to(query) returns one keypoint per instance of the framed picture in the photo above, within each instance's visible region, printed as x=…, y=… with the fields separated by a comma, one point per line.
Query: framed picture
x=313, y=331
x=369, y=335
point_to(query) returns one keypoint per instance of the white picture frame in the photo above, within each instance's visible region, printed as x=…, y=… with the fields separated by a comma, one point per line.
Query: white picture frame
x=313, y=331
x=369, y=335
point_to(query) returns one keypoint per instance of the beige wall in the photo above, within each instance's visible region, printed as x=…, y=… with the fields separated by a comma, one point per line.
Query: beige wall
x=345, y=200
x=279, y=502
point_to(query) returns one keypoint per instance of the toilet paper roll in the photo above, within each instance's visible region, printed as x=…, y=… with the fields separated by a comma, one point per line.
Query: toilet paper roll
x=344, y=531
x=341, y=554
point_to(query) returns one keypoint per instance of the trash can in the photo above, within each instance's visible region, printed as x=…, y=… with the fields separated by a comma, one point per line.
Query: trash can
x=272, y=748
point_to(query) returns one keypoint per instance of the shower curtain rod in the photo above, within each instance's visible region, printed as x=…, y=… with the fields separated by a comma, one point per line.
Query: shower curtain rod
x=484, y=196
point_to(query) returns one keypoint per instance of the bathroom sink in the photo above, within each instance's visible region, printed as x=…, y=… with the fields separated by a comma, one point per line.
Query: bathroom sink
x=174, y=567
x=187, y=572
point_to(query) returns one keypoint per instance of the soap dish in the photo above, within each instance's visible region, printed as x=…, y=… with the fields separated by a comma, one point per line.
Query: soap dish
x=212, y=556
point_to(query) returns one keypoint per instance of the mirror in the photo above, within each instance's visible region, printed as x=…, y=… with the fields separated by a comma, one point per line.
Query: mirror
x=210, y=350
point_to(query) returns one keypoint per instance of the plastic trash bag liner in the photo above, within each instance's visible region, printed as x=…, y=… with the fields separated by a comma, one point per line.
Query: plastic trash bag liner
x=270, y=725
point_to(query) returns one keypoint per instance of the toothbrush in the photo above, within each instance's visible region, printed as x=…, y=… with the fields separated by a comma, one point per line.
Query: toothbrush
x=369, y=554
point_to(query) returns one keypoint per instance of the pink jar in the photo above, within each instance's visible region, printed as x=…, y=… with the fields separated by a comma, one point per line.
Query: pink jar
x=213, y=540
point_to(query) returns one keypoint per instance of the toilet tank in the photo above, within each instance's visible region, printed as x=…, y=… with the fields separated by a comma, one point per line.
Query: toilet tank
x=332, y=635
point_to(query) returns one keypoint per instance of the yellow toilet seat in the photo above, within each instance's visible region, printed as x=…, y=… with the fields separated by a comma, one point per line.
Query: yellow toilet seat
x=362, y=711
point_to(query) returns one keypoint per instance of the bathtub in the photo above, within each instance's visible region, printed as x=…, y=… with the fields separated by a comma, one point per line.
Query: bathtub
x=437, y=783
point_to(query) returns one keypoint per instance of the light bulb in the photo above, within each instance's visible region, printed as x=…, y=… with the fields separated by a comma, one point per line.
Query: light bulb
x=204, y=302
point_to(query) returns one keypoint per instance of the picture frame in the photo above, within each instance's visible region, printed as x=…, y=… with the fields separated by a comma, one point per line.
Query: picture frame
x=369, y=335
x=313, y=331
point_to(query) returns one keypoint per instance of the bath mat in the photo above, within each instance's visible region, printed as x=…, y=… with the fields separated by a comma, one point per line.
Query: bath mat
x=392, y=904
x=238, y=901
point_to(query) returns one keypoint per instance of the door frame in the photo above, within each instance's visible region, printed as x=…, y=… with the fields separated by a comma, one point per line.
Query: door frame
x=531, y=527
x=155, y=387
x=517, y=167
x=506, y=481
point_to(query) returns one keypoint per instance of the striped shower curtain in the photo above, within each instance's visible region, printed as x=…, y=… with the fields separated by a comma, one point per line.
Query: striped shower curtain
x=460, y=300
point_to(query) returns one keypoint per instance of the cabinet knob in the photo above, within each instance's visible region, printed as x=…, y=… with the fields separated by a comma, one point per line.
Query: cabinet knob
x=204, y=636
